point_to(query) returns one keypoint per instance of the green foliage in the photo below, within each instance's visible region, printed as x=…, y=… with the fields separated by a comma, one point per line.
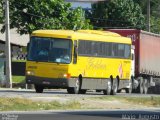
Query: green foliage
x=154, y=6
x=155, y=24
x=30, y=15
x=146, y=101
x=76, y=17
x=118, y=14
x=1, y=11
x=22, y=104
x=154, y=13
x=18, y=79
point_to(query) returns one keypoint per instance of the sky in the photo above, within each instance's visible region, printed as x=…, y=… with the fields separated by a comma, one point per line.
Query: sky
x=81, y=4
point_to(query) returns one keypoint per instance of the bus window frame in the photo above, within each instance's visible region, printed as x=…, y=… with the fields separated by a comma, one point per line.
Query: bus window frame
x=75, y=52
x=29, y=47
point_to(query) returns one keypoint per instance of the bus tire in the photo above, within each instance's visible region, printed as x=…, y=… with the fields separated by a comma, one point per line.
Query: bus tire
x=145, y=86
x=114, y=87
x=38, y=88
x=70, y=90
x=74, y=90
x=77, y=86
x=129, y=90
x=81, y=91
x=107, y=91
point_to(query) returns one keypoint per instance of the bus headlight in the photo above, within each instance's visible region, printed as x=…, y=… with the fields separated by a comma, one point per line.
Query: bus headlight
x=30, y=72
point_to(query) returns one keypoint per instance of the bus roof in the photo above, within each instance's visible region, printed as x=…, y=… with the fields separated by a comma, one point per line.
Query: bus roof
x=95, y=35
x=98, y=32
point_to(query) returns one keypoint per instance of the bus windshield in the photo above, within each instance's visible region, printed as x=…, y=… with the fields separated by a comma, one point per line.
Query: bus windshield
x=50, y=50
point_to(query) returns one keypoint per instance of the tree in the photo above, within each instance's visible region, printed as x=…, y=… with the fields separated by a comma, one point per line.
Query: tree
x=154, y=13
x=30, y=15
x=154, y=4
x=117, y=14
x=1, y=11
x=155, y=24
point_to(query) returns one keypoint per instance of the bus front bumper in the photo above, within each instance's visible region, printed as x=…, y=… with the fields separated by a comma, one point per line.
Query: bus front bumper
x=51, y=82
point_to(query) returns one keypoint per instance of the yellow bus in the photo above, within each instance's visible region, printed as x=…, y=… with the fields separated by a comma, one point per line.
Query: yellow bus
x=79, y=61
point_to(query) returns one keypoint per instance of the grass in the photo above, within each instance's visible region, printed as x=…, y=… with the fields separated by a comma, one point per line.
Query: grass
x=18, y=60
x=107, y=98
x=18, y=79
x=21, y=104
x=147, y=101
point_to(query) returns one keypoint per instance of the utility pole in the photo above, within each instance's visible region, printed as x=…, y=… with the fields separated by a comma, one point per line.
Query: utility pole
x=8, y=46
x=148, y=15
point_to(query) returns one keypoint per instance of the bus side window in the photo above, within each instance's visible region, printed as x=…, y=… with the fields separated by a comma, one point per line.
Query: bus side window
x=75, y=52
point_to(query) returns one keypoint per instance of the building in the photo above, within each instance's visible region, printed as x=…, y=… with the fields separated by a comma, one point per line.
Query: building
x=17, y=43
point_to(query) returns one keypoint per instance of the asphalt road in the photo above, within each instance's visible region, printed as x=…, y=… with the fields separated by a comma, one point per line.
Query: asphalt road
x=84, y=115
x=116, y=114
x=60, y=92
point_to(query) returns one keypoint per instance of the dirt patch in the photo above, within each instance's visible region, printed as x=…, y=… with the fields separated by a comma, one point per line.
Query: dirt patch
x=103, y=104
x=89, y=103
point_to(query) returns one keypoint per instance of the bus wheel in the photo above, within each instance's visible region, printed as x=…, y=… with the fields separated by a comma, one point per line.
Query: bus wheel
x=39, y=89
x=114, y=87
x=109, y=87
x=129, y=90
x=74, y=90
x=145, y=86
x=77, y=86
x=70, y=90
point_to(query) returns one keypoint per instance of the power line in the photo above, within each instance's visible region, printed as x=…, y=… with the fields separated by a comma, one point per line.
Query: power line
x=91, y=18
x=94, y=18
x=82, y=17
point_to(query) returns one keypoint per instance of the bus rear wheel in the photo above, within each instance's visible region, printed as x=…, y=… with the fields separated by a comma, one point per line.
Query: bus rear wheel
x=108, y=89
x=38, y=88
x=129, y=90
x=114, y=87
